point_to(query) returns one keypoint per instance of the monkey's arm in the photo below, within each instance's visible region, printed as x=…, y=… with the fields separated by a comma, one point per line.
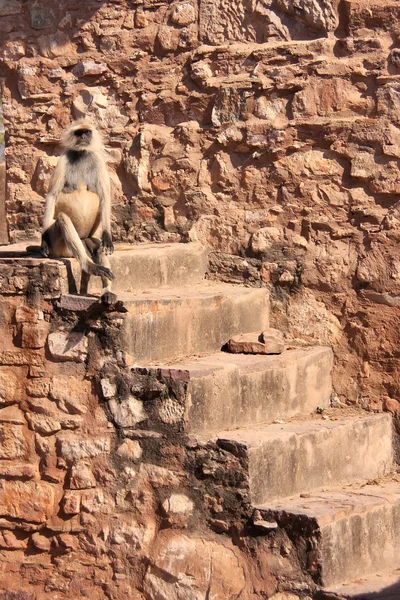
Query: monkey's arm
x=104, y=192
x=55, y=187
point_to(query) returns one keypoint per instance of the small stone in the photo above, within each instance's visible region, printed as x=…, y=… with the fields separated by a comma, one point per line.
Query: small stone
x=74, y=448
x=248, y=343
x=131, y=450
x=391, y=405
x=89, y=67
x=273, y=341
x=108, y=388
x=12, y=414
x=70, y=346
x=264, y=239
x=10, y=7
x=38, y=388
x=41, y=16
x=26, y=500
x=183, y=14
x=43, y=423
x=160, y=476
x=18, y=471
x=65, y=542
x=9, y=541
x=10, y=386
x=34, y=335
x=71, y=503
x=27, y=314
x=12, y=441
x=81, y=477
x=178, y=508
x=40, y=542
x=268, y=342
x=141, y=20
x=127, y=413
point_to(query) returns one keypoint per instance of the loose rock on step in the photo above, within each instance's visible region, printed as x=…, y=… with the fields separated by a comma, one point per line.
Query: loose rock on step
x=269, y=341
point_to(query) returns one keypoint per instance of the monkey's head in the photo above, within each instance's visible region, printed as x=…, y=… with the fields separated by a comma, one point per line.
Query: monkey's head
x=81, y=135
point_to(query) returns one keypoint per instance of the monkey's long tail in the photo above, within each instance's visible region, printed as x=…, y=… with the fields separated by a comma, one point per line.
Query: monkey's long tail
x=34, y=249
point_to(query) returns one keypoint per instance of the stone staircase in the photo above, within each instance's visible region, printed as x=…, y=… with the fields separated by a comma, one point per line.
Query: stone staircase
x=324, y=477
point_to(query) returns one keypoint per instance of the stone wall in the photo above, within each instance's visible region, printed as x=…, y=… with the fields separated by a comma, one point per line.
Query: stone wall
x=266, y=130
x=102, y=495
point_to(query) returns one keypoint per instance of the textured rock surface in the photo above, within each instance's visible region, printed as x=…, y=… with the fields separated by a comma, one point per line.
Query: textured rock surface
x=298, y=102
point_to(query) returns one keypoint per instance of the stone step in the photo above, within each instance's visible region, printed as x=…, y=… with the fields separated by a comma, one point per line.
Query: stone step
x=224, y=391
x=298, y=457
x=384, y=585
x=170, y=323
x=147, y=266
x=136, y=267
x=353, y=530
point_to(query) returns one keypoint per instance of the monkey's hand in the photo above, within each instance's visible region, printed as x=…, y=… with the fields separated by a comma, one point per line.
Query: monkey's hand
x=106, y=242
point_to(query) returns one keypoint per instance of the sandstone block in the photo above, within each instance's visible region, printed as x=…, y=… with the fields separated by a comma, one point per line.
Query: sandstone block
x=12, y=414
x=10, y=7
x=71, y=503
x=34, y=335
x=70, y=346
x=264, y=239
x=43, y=424
x=11, y=385
x=38, y=388
x=178, y=508
x=89, y=67
x=27, y=314
x=74, y=448
x=269, y=341
x=12, y=441
x=130, y=449
x=29, y=501
x=18, y=471
x=42, y=16
x=183, y=14
x=81, y=477
x=9, y=541
x=127, y=413
x=191, y=568
x=41, y=542
x=70, y=393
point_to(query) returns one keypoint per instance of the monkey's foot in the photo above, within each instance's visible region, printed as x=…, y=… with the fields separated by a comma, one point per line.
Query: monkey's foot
x=101, y=271
x=108, y=298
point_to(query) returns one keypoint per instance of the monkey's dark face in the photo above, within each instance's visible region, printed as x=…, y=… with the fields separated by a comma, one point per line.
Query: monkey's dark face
x=82, y=135
x=82, y=138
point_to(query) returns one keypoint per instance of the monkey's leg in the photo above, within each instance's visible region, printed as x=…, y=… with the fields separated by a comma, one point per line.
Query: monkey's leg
x=107, y=296
x=91, y=246
x=64, y=228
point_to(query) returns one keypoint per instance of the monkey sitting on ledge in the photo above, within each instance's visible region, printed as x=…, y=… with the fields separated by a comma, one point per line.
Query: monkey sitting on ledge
x=77, y=219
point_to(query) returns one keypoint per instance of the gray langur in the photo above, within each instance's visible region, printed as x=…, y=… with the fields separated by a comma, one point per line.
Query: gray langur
x=77, y=219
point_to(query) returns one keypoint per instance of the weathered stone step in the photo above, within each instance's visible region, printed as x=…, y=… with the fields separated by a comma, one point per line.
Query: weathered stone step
x=384, y=585
x=225, y=390
x=171, y=323
x=147, y=266
x=297, y=457
x=353, y=531
x=136, y=267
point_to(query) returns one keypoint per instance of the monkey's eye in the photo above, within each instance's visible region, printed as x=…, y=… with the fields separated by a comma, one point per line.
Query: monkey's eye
x=82, y=132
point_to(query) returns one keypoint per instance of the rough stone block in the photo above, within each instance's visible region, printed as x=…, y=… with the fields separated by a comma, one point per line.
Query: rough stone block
x=34, y=335
x=28, y=501
x=12, y=441
x=68, y=346
x=76, y=448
